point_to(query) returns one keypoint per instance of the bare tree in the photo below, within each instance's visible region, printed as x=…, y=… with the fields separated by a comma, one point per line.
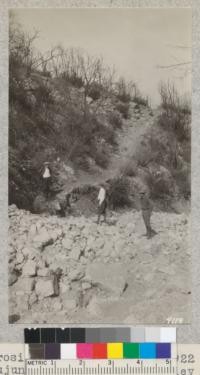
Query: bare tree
x=175, y=115
x=125, y=90
x=88, y=72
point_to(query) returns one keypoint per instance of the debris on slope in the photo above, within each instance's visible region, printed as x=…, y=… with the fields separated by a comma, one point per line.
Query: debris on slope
x=97, y=273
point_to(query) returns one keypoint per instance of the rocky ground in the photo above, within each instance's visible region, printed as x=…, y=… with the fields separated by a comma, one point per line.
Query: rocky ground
x=71, y=270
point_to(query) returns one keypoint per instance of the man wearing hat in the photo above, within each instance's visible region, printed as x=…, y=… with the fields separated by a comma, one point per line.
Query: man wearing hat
x=147, y=208
x=102, y=202
x=47, y=178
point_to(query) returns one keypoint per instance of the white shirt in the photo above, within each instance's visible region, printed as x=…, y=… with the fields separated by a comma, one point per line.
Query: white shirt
x=46, y=173
x=102, y=195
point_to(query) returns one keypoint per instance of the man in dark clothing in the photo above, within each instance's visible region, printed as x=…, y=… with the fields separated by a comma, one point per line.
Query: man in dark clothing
x=47, y=178
x=147, y=208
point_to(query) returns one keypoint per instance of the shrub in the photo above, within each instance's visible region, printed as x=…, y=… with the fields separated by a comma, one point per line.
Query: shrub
x=101, y=158
x=183, y=180
x=73, y=79
x=106, y=133
x=95, y=91
x=123, y=108
x=140, y=100
x=115, y=119
x=175, y=115
x=125, y=98
x=130, y=169
x=119, y=192
x=82, y=163
x=124, y=90
x=160, y=184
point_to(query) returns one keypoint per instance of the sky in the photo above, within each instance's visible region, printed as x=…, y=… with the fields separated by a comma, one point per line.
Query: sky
x=136, y=41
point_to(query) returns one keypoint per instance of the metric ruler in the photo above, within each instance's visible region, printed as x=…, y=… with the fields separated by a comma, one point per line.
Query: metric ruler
x=102, y=367
x=187, y=363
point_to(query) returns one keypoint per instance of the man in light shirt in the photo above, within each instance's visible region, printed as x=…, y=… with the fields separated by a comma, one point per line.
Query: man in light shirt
x=47, y=178
x=102, y=203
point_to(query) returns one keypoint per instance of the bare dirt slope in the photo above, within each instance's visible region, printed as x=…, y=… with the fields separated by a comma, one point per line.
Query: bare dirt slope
x=128, y=138
x=72, y=270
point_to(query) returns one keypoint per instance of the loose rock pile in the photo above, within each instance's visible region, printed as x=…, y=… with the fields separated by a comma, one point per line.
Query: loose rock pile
x=73, y=270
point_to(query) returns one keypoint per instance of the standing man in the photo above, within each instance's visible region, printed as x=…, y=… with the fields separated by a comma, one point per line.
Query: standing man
x=102, y=203
x=47, y=178
x=147, y=208
x=65, y=205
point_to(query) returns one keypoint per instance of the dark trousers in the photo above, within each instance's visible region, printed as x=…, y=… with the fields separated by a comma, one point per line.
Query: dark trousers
x=102, y=210
x=146, y=214
x=47, y=184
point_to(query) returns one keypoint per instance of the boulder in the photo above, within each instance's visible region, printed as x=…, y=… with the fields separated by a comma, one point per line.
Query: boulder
x=56, y=234
x=86, y=285
x=32, y=299
x=19, y=258
x=32, y=231
x=25, y=285
x=75, y=253
x=29, y=268
x=44, y=288
x=67, y=243
x=64, y=286
x=29, y=251
x=42, y=239
x=99, y=243
x=111, y=277
x=57, y=306
x=69, y=302
x=75, y=275
x=43, y=272
x=12, y=278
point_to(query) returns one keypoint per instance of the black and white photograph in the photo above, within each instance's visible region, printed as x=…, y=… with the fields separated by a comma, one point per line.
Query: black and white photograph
x=100, y=165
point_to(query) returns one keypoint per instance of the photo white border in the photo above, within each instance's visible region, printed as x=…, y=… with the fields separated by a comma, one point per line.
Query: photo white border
x=14, y=333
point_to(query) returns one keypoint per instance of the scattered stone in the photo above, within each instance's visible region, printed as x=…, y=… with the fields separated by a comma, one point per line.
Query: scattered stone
x=64, y=286
x=12, y=278
x=69, y=303
x=43, y=272
x=99, y=243
x=57, y=233
x=95, y=304
x=29, y=268
x=42, y=239
x=19, y=258
x=67, y=243
x=111, y=277
x=44, y=288
x=32, y=230
x=86, y=286
x=57, y=306
x=25, y=284
x=76, y=275
x=104, y=269
x=32, y=299
x=28, y=251
x=75, y=253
